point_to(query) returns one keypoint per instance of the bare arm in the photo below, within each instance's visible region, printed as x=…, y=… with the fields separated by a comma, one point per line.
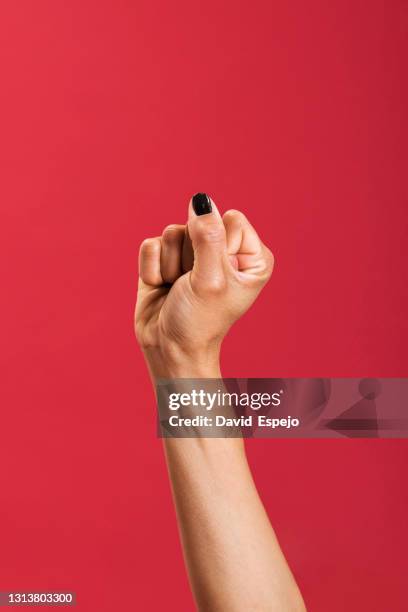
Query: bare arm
x=232, y=555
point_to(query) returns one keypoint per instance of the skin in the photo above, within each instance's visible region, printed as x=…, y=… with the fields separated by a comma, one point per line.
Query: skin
x=195, y=281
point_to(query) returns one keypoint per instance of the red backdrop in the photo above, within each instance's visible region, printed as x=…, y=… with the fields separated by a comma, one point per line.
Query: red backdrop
x=112, y=115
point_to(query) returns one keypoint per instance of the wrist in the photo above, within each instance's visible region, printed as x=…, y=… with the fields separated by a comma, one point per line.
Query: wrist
x=173, y=362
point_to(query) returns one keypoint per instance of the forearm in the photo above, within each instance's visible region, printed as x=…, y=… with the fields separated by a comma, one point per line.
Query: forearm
x=195, y=281
x=232, y=555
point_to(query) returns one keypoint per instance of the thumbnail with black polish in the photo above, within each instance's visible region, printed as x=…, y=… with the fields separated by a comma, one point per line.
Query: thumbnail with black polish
x=202, y=204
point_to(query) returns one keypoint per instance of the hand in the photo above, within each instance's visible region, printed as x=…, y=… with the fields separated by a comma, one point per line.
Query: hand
x=195, y=281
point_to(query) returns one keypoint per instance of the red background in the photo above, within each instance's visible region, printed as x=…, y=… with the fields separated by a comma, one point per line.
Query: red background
x=112, y=115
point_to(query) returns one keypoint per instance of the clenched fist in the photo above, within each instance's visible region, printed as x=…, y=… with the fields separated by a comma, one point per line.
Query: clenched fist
x=195, y=281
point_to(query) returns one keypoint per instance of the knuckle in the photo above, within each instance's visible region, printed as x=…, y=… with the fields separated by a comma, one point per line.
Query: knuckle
x=268, y=262
x=171, y=232
x=269, y=257
x=150, y=245
x=211, y=233
x=232, y=214
x=215, y=286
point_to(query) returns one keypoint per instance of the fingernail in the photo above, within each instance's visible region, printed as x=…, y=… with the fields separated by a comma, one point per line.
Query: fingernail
x=202, y=204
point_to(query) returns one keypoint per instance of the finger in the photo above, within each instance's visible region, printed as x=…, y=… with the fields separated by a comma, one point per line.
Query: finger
x=187, y=257
x=244, y=246
x=241, y=236
x=149, y=262
x=207, y=233
x=171, y=249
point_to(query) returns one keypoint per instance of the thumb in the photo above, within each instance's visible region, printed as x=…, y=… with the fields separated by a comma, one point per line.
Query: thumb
x=207, y=232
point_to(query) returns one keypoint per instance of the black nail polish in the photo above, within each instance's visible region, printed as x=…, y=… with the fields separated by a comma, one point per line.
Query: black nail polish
x=202, y=204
